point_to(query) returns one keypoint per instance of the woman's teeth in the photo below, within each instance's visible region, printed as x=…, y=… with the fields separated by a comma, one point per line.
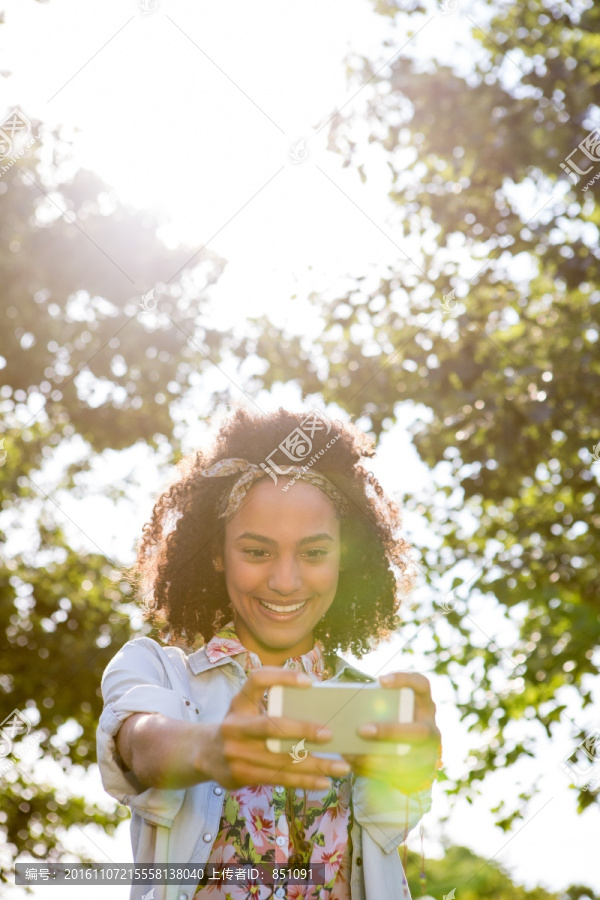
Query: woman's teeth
x=283, y=609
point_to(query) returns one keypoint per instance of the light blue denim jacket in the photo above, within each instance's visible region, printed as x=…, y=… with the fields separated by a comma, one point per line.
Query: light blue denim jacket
x=180, y=826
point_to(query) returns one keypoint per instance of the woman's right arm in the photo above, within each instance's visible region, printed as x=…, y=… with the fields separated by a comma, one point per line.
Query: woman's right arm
x=166, y=753
x=173, y=754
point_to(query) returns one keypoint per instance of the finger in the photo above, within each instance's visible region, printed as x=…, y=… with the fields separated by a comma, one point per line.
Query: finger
x=413, y=680
x=424, y=705
x=254, y=753
x=389, y=768
x=414, y=733
x=236, y=726
x=250, y=697
x=419, y=683
x=369, y=767
x=257, y=774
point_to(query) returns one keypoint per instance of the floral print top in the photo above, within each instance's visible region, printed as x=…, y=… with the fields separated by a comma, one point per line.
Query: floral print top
x=254, y=827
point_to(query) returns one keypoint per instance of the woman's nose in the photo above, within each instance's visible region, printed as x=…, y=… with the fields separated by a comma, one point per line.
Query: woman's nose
x=285, y=578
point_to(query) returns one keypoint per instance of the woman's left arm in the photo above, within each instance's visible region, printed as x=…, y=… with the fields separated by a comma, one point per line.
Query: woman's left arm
x=414, y=771
x=392, y=793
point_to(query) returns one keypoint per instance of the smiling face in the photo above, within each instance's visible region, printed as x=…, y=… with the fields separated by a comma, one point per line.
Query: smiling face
x=282, y=549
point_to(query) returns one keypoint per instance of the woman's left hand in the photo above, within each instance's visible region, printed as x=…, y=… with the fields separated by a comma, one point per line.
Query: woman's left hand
x=415, y=770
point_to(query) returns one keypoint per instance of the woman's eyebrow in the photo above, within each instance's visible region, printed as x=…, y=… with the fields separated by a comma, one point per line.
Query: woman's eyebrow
x=323, y=536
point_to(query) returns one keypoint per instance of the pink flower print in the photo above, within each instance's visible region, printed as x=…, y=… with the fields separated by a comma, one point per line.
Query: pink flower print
x=298, y=891
x=252, y=661
x=313, y=662
x=260, y=825
x=282, y=825
x=218, y=647
x=254, y=791
x=332, y=854
x=222, y=855
x=337, y=814
x=345, y=871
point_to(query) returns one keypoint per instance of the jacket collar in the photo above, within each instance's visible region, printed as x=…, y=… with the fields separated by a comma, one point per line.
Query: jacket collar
x=227, y=645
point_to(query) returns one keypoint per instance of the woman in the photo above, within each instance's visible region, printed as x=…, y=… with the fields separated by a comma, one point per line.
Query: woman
x=300, y=561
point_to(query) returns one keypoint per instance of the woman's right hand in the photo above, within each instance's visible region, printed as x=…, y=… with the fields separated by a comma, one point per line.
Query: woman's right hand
x=237, y=754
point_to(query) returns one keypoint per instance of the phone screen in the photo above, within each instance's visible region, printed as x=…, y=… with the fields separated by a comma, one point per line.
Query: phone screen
x=343, y=708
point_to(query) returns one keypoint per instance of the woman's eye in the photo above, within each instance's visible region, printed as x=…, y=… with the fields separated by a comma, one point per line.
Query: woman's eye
x=261, y=553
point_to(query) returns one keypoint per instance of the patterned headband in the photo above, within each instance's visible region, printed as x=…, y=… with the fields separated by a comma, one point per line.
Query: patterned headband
x=230, y=501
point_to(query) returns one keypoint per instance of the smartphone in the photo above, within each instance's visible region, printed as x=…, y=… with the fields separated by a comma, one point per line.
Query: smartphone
x=343, y=708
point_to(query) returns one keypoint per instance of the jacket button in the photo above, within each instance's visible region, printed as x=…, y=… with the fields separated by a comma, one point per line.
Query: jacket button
x=281, y=840
x=183, y=897
x=207, y=837
x=279, y=788
x=359, y=860
x=218, y=791
x=280, y=892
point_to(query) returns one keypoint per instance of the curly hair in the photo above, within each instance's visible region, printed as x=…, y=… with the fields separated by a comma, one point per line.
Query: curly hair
x=188, y=598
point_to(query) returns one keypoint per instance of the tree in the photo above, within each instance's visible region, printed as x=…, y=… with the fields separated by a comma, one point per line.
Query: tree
x=84, y=367
x=473, y=877
x=491, y=330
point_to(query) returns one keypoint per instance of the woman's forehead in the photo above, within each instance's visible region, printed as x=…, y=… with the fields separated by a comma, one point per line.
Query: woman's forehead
x=302, y=506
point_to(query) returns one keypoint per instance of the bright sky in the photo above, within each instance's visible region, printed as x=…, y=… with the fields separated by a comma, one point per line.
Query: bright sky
x=195, y=110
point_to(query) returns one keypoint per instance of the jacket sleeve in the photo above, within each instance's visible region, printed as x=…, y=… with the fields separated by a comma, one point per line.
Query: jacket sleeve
x=387, y=814
x=135, y=682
